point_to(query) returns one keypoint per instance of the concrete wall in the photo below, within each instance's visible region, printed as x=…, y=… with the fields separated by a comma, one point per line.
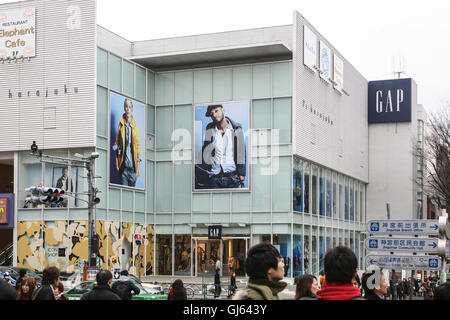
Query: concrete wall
x=393, y=167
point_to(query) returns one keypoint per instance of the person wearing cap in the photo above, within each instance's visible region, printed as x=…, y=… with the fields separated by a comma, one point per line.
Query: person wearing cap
x=124, y=287
x=224, y=150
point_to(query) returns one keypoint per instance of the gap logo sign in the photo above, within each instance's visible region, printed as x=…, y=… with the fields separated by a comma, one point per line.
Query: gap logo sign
x=390, y=101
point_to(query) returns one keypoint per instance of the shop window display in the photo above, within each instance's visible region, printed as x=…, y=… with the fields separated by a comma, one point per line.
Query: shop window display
x=182, y=255
x=164, y=254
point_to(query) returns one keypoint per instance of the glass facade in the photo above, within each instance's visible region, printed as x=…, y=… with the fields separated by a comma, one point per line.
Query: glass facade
x=172, y=216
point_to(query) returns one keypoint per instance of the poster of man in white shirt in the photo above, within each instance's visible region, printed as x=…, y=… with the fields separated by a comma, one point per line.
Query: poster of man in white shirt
x=221, y=146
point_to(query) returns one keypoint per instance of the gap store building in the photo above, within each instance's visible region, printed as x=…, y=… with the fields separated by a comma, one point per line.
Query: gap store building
x=261, y=135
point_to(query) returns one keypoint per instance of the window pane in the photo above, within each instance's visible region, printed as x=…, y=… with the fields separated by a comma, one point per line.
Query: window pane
x=261, y=114
x=183, y=255
x=347, y=204
x=298, y=256
x=102, y=67
x=329, y=191
x=128, y=78
x=115, y=72
x=298, y=186
x=164, y=119
x=164, y=88
x=314, y=190
x=164, y=187
x=164, y=254
x=282, y=119
x=307, y=187
x=141, y=84
x=321, y=193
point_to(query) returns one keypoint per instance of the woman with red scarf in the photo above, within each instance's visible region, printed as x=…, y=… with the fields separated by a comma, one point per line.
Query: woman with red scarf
x=341, y=266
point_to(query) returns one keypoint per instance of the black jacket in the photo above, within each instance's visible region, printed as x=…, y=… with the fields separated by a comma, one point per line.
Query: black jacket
x=45, y=293
x=240, y=156
x=372, y=296
x=129, y=287
x=7, y=292
x=100, y=292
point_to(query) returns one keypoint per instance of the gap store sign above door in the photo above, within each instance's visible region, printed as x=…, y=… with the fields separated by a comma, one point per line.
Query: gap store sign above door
x=390, y=101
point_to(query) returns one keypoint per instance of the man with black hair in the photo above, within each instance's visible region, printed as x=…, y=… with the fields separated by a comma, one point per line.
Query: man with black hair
x=265, y=268
x=124, y=287
x=374, y=290
x=340, y=267
x=443, y=291
x=23, y=275
x=50, y=279
x=223, y=151
x=102, y=291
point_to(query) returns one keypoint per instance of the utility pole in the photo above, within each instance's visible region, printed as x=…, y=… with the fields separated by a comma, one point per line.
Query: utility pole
x=89, y=164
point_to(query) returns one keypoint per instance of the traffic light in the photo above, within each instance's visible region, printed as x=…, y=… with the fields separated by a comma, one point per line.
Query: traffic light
x=138, y=238
x=44, y=195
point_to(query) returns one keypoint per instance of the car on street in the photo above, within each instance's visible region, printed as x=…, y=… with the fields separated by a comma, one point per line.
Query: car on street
x=71, y=281
x=86, y=286
x=14, y=273
x=149, y=287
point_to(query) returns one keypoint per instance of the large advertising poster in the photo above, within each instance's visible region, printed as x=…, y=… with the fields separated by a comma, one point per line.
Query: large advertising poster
x=325, y=61
x=338, y=73
x=18, y=33
x=309, y=48
x=127, y=142
x=222, y=146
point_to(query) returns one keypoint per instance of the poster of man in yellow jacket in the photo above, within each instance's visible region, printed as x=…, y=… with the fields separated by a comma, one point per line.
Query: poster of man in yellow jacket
x=127, y=166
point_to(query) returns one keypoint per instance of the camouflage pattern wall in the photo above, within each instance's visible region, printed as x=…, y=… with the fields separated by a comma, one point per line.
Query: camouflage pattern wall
x=65, y=243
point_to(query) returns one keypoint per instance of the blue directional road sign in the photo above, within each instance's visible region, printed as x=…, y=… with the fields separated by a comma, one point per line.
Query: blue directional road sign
x=404, y=262
x=422, y=245
x=403, y=227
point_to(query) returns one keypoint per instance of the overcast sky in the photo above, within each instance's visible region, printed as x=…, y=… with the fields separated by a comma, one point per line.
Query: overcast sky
x=369, y=34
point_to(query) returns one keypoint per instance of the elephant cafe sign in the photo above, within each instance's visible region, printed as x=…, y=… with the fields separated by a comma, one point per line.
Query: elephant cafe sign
x=18, y=33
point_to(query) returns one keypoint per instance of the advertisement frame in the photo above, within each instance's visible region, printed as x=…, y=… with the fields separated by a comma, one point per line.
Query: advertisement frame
x=250, y=147
x=324, y=46
x=306, y=54
x=111, y=184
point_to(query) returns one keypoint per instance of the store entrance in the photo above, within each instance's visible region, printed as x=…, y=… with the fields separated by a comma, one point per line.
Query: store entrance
x=231, y=251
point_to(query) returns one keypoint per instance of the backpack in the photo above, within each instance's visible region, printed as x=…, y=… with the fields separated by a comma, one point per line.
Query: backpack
x=122, y=290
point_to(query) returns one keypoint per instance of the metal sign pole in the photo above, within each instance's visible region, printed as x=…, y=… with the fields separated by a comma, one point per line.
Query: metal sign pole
x=139, y=266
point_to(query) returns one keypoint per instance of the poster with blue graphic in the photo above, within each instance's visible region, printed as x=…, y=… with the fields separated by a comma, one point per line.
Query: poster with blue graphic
x=222, y=146
x=127, y=142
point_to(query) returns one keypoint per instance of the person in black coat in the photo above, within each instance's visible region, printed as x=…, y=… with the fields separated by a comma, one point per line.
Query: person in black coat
x=372, y=289
x=50, y=279
x=6, y=291
x=102, y=291
x=217, y=288
x=177, y=291
x=124, y=287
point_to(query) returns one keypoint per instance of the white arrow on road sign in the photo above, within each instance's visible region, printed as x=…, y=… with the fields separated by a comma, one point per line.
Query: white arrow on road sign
x=404, y=262
x=423, y=245
x=403, y=227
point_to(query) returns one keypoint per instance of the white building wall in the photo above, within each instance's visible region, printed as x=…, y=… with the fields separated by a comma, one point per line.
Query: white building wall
x=65, y=59
x=393, y=167
x=343, y=145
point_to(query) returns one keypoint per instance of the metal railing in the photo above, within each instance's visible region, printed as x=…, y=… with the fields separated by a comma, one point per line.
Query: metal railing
x=6, y=255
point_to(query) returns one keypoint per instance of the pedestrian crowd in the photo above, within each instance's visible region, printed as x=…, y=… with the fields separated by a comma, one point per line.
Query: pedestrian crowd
x=265, y=270
x=338, y=281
